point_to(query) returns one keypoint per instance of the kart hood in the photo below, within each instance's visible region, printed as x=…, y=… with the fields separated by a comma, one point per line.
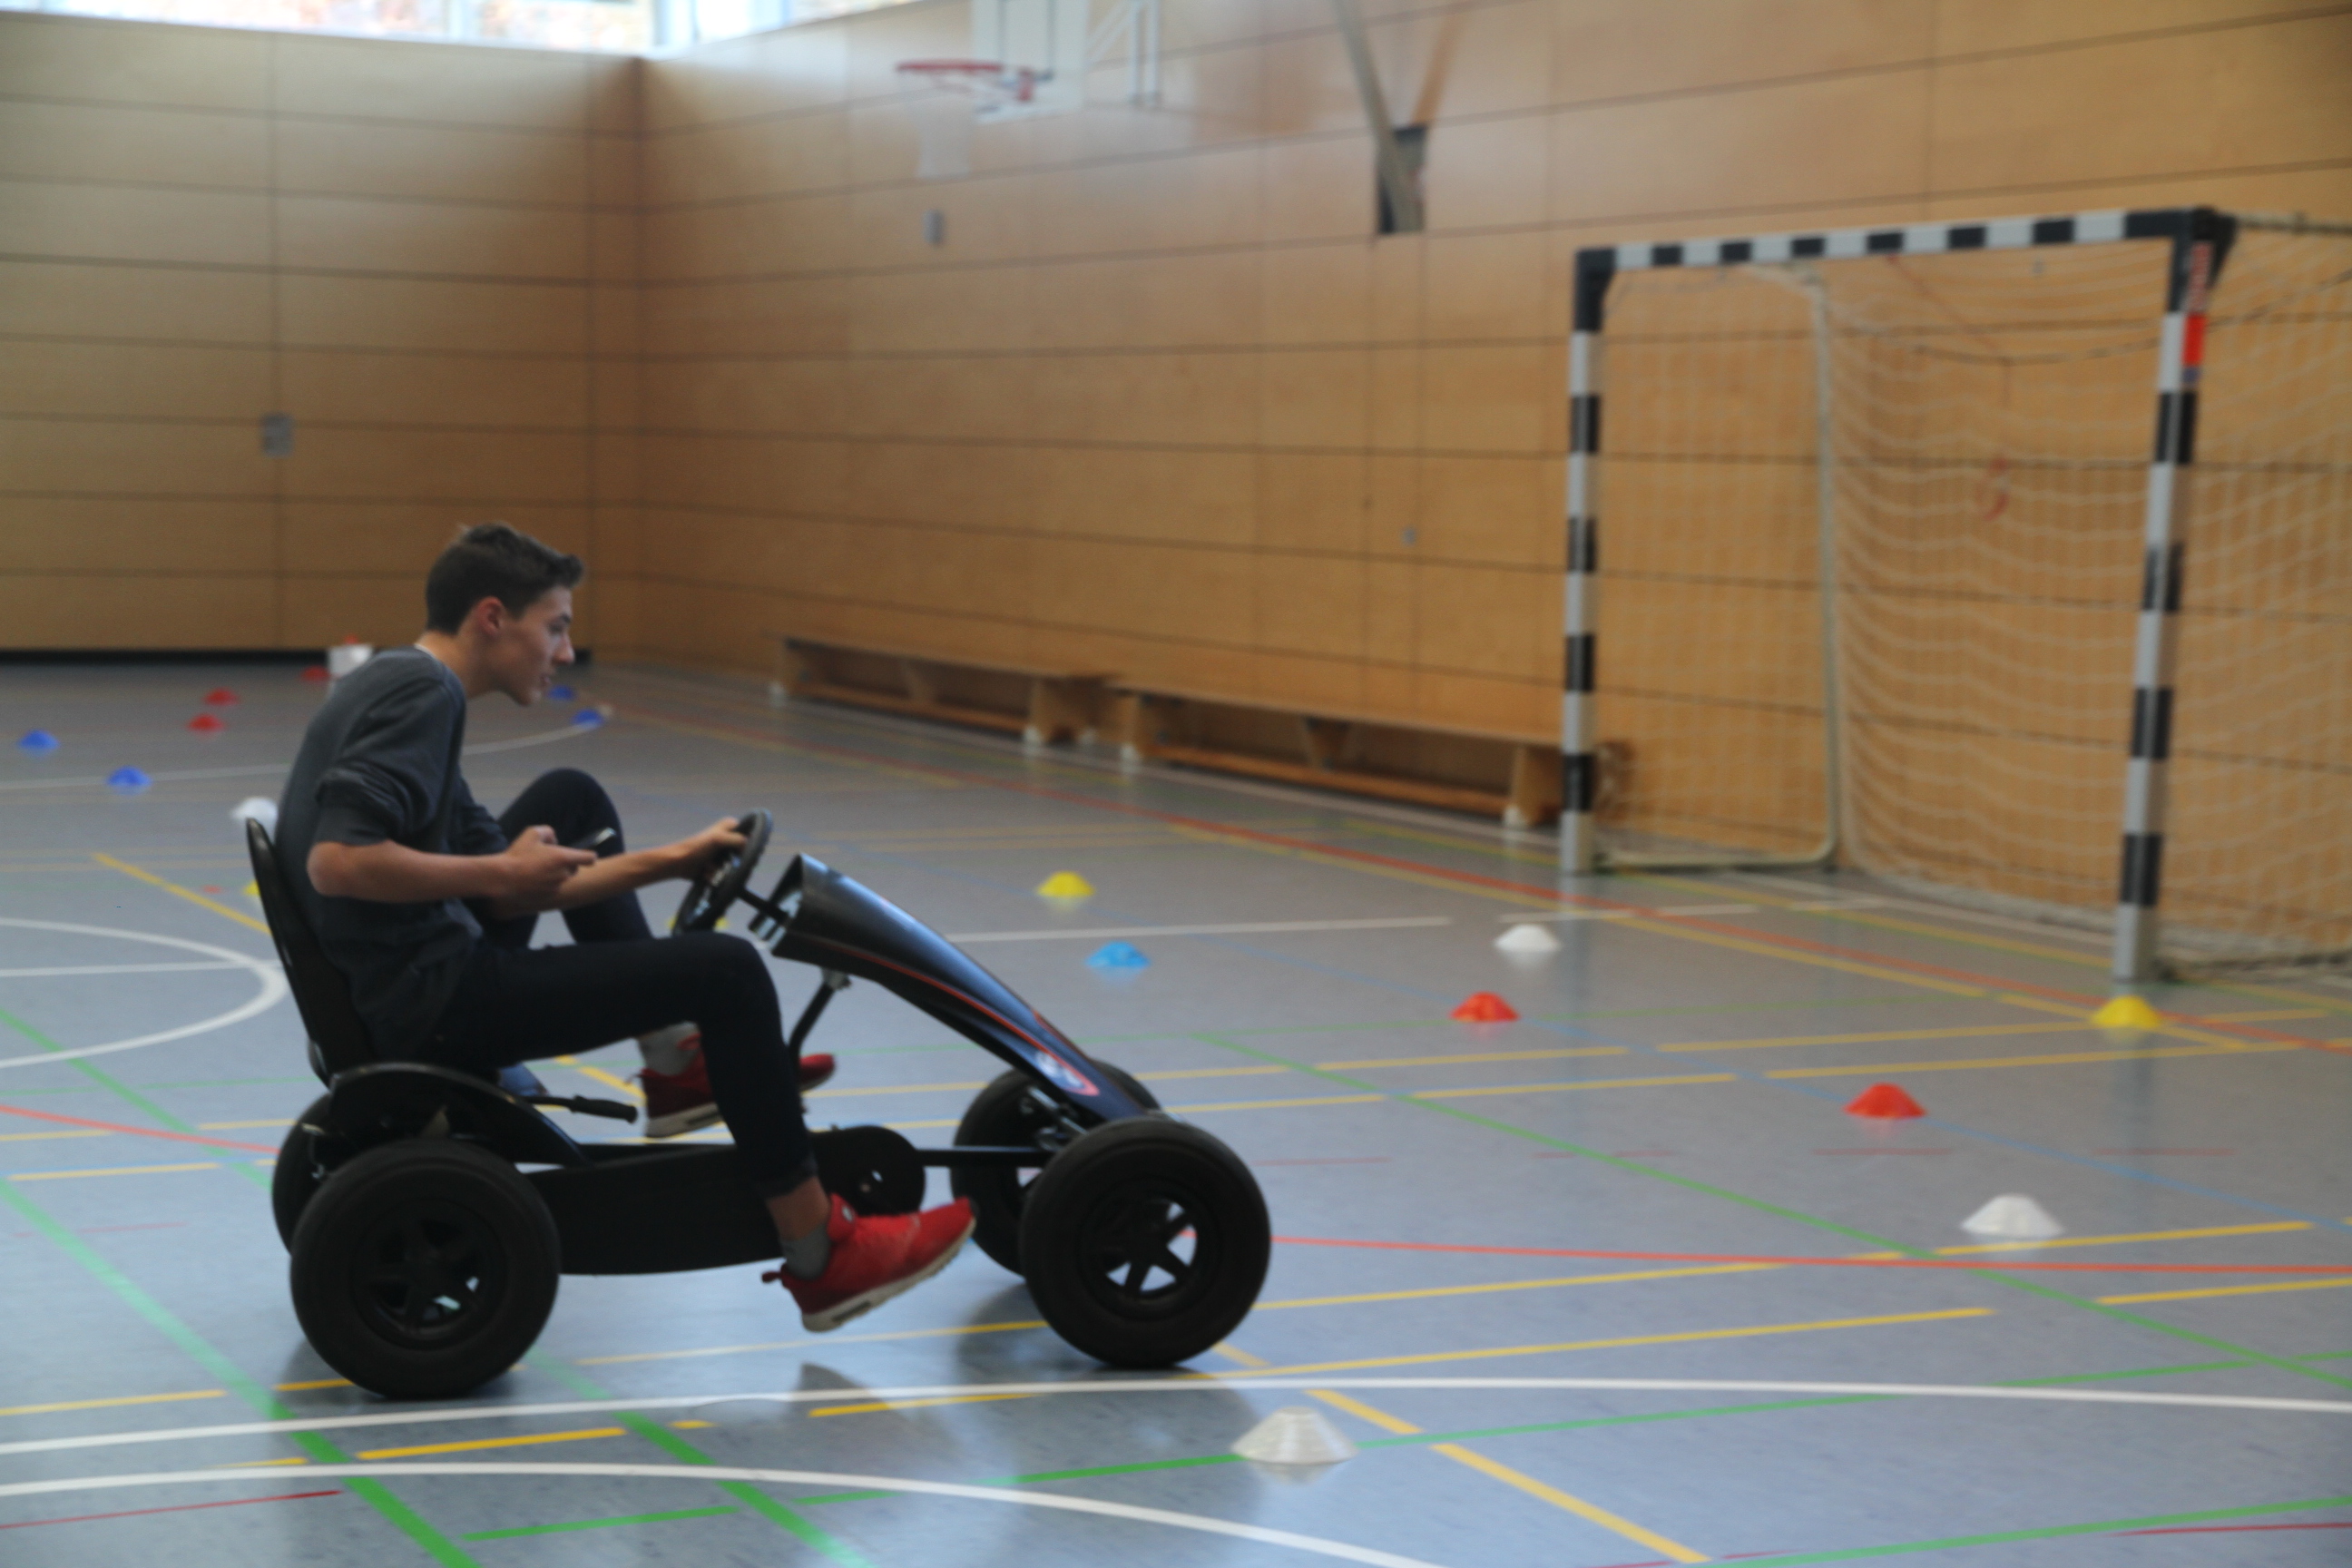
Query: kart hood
x=831, y=921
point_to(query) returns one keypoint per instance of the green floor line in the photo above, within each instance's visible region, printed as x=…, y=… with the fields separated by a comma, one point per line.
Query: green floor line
x=600, y=1523
x=258, y=1398
x=101, y=1080
x=1866, y=1238
x=2052, y=1532
x=803, y=1529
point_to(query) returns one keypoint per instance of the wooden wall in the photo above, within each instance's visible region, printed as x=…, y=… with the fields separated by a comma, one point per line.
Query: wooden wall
x=1161, y=404
x=424, y=253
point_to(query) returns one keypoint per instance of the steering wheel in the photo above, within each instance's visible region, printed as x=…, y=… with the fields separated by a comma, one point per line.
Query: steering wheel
x=710, y=895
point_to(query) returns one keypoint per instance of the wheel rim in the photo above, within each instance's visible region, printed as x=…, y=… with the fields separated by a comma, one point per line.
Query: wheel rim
x=1148, y=1249
x=429, y=1275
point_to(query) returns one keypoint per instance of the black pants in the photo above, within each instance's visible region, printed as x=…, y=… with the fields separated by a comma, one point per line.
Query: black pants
x=516, y=1003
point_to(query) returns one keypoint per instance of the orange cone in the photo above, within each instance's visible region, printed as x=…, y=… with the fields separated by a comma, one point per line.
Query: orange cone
x=1484, y=1007
x=1886, y=1100
x=206, y=723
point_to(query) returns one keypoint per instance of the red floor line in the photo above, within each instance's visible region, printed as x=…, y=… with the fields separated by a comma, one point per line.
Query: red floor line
x=177, y=1508
x=2232, y=1529
x=2003, y=1266
x=1473, y=878
x=137, y=1131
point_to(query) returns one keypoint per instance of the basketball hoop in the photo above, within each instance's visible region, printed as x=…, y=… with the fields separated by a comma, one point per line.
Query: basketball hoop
x=948, y=97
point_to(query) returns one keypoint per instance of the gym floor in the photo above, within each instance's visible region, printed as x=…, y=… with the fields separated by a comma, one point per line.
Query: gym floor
x=1574, y=1284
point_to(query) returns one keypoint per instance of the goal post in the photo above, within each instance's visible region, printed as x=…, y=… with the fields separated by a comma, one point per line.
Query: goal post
x=1894, y=576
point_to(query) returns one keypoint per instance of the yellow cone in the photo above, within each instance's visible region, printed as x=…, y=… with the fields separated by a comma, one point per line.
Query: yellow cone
x=2127, y=1013
x=253, y=889
x=1066, y=884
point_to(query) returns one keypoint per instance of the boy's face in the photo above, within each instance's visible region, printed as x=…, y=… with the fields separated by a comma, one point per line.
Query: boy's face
x=526, y=649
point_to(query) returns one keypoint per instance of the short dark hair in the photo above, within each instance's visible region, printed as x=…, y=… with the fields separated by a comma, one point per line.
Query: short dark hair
x=492, y=561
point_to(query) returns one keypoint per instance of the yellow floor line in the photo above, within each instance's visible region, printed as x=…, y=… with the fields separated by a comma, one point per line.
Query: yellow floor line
x=610, y=1080
x=2074, y=1059
x=35, y=1137
x=314, y=1383
x=1486, y=1466
x=1429, y=1292
x=1209, y=1072
x=113, y=1171
x=1587, y=1083
x=1281, y=1104
x=872, y=1405
x=2268, y=1228
x=2227, y=1291
x=255, y=1463
x=803, y=1343
x=239, y=916
x=2278, y=1017
x=1482, y=1056
x=1689, y=1336
x=495, y=1443
x=110, y=1404
x=1961, y=1032
x=894, y=1089
x=1575, y=1505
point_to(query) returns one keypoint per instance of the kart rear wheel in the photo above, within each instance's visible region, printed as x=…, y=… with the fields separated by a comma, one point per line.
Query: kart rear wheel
x=424, y=1268
x=1012, y=1111
x=295, y=1179
x=1145, y=1242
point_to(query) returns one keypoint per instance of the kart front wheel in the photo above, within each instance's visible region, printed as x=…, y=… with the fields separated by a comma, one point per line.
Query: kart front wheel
x=1013, y=1111
x=1145, y=1242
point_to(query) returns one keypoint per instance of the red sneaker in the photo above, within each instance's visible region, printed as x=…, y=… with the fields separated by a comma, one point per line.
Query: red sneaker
x=680, y=1103
x=874, y=1257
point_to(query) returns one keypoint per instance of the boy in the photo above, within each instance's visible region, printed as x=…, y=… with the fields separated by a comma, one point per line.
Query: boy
x=427, y=903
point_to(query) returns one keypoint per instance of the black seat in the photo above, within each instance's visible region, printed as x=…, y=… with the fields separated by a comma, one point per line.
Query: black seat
x=339, y=1040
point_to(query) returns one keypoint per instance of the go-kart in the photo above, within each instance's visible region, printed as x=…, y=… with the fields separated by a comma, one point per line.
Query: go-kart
x=428, y=1212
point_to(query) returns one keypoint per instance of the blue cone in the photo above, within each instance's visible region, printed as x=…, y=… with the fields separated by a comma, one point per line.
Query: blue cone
x=560, y=693
x=37, y=741
x=587, y=718
x=1119, y=955
x=130, y=781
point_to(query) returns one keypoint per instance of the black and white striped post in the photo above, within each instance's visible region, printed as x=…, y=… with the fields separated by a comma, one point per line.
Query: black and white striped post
x=2200, y=242
x=1578, y=777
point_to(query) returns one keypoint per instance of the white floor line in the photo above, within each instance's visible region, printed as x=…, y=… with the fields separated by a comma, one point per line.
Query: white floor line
x=1197, y=1383
x=1543, y=917
x=1253, y=928
x=1014, y=1496
x=272, y=979
x=114, y=969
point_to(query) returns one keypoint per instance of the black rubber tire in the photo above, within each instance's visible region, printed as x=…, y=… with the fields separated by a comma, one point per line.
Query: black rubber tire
x=295, y=1179
x=1110, y=1215
x=398, y=1236
x=1011, y=1110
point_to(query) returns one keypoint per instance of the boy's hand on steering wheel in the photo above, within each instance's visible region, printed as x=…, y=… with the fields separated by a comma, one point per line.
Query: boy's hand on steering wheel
x=703, y=852
x=537, y=866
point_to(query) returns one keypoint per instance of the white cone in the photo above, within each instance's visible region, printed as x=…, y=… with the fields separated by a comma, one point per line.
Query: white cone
x=256, y=808
x=1527, y=939
x=2013, y=1216
x=1296, y=1434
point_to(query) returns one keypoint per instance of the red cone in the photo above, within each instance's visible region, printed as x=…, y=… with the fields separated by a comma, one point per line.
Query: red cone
x=1484, y=1007
x=220, y=697
x=315, y=672
x=206, y=722
x=1883, y=1100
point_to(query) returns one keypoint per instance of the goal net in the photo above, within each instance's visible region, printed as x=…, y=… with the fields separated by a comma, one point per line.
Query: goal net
x=1872, y=516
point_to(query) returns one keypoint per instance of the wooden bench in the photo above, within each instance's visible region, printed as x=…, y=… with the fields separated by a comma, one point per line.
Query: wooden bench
x=1329, y=743
x=1061, y=703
